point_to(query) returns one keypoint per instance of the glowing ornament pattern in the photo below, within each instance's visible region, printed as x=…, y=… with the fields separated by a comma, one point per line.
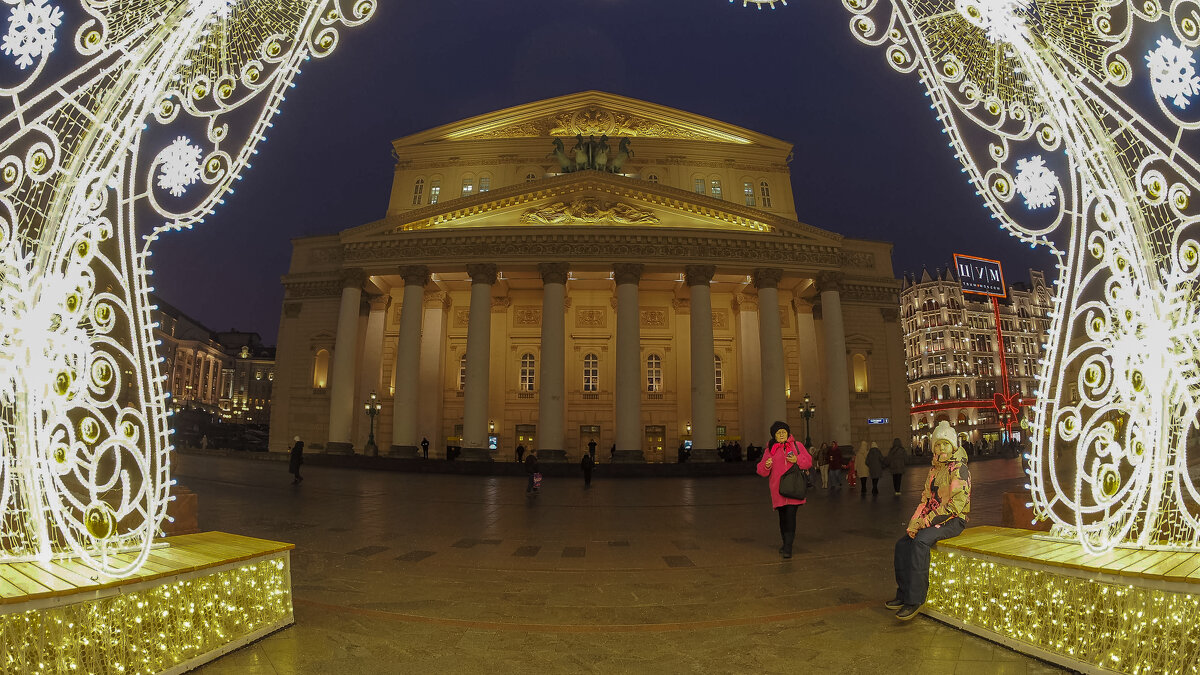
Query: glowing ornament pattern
x=1173, y=72
x=1035, y=183
x=30, y=33
x=1056, y=79
x=84, y=193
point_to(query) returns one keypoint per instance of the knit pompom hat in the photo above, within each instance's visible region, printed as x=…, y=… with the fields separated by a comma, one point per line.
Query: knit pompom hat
x=780, y=425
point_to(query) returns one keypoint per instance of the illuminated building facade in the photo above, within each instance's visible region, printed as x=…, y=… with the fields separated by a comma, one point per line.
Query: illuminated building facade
x=953, y=355
x=587, y=267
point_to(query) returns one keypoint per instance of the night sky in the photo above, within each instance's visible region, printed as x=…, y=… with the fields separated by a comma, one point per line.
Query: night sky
x=870, y=159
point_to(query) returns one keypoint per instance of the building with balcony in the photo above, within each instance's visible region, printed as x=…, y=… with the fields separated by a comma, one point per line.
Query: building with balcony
x=954, y=366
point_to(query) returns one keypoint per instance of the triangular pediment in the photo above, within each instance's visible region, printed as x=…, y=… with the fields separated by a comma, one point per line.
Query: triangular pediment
x=592, y=113
x=590, y=199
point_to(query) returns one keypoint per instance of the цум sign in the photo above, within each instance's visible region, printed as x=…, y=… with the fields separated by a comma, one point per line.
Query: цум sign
x=979, y=275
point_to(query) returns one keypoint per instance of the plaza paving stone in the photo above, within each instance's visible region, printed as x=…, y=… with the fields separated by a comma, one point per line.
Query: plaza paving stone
x=433, y=573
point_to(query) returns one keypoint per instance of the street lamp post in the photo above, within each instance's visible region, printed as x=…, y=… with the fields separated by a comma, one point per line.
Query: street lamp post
x=372, y=408
x=807, y=411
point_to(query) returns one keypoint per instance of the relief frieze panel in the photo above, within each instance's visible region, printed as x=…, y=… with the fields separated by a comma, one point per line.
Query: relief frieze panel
x=462, y=318
x=720, y=319
x=653, y=317
x=527, y=316
x=591, y=317
x=313, y=289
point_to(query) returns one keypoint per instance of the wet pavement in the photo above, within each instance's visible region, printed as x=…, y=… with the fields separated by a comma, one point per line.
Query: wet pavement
x=421, y=573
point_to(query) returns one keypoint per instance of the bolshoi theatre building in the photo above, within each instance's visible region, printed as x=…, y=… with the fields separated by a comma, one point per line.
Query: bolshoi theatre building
x=587, y=267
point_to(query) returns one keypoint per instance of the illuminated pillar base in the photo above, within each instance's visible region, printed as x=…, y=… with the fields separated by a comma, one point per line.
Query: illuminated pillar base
x=198, y=597
x=1125, y=611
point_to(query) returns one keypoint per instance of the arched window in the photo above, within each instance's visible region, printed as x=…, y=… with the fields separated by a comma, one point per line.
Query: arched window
x=967, y=390
x=468, y=186
x=654, y=373
x=435, y=191
x=485, y=183
x=418, y=191
x=748, y=192
x=462, y=372
x=530, y=177
x=764, y=191
x=860, y=373
x=321, y=369
x=527, y=370
x=698, y=186
x=958, y=391
x=945, y=392
x=715, y=184
x=591, y=373
x=652, y=177
x=718, y=373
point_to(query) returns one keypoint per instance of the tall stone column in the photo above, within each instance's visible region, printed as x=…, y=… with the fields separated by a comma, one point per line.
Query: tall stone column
x=479, y=337
x=770, y=335
x=551, y=434
x=749, y=350
x=341, y=380
x=704, y=383
x=431, y=423
x=408, y=363
x=372, y=363
x=829, y=284
x=629, y=364
x=810, y=366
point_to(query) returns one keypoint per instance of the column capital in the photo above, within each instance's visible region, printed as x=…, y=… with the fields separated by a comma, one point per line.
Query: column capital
x=628, y=273
x=767, y=277
x=437, y=299
x=501, y=305
x=379, y=303
x=699, y=275
x=483, y=273
x=830, y=281
x=414, y=275
x=554, y=272
x=745, y=303
x=353, y=277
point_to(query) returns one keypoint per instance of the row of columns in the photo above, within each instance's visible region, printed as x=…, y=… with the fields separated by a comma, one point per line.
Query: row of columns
x=552, y=381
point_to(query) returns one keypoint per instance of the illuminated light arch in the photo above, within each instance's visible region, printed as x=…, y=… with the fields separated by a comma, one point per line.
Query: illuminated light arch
x=1063, y=125
x=139, y=136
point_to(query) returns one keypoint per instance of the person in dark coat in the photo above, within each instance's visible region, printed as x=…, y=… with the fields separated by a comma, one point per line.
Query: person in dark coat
x=896, y=459
x=531, y=467
x=521, y=452
x=592, y=449
x=425, y=447
x=586, y=464
x=296, y=459
x=875, y=466
x=837, y=467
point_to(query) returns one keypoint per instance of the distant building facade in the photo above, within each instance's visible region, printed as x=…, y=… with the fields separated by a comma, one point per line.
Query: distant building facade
x=953, y=357
x=587, y=267
x=228, y=374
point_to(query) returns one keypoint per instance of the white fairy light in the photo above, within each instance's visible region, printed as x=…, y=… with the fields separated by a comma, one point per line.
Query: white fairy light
x=84, y=431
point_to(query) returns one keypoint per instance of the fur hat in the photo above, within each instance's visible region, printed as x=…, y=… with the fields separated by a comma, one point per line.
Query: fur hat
x=780, y=425
x=297, y=439
x=945, y=432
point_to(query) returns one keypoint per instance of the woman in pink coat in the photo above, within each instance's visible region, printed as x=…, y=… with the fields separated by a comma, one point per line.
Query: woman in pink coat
x=781, y=453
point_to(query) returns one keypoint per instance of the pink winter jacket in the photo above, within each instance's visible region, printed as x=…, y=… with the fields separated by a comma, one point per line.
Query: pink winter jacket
x=779, y=465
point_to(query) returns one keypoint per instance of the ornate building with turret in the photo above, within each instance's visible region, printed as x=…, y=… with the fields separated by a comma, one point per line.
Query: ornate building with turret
x=587, y=267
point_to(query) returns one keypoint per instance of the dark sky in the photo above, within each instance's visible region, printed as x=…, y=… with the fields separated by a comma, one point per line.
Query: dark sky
x=870, y=159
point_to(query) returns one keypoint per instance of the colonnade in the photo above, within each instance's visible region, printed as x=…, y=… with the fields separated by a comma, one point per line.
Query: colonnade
x=551, y=373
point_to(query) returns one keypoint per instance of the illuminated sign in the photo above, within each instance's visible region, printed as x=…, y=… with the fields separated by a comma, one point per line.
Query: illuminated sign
x=877, y=420
x=979, y=275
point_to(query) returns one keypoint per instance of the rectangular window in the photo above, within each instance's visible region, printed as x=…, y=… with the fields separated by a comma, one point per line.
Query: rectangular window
x=716, y=188
x=435, y=191
x=698, y=186
x=748, y=191
x=468, y=187
x=485, y=183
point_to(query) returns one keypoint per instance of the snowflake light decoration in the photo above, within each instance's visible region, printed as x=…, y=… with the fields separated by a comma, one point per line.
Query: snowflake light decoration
x=179, y=166
x=1035, y=182
x=1172, y=72
x=999, y=19
x=84, y=431
x=30, y=33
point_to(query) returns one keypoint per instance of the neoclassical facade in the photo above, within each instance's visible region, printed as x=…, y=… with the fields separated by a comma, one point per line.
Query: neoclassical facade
x=587, y=267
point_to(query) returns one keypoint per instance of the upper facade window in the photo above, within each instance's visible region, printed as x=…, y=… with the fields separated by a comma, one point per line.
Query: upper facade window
x=435, y=191
x=716, y=188
x=654, y=373
x=748, y=191
x=764, y=191
x=652, y=177
x=529, y=177
x=485, y=183
x=468, y=187
x=591, y=373
x=527, y=371
x=418, y=192
x=698, y=186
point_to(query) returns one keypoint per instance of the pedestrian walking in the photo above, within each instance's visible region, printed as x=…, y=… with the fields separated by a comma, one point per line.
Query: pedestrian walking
x=782, y=453
x=861, y=470
x=295, y=460
x=823, y=465
x=592, y=449
x=586, y=464
x=875, y=465
x=425, y=447
x=612, y=452
x=837, y=467
x=521, y=452
x=942, y=513
x=896, y=459
x=531, y=469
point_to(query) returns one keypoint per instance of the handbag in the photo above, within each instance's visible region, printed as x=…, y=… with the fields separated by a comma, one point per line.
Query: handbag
x=537, y=481
x=792, y=483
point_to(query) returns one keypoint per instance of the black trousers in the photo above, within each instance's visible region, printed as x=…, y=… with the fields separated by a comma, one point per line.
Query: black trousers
x=587, y=477
x=787, y=524
x=896, y=481
x=862, y=481
x=874, y=485
x=912, y=560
